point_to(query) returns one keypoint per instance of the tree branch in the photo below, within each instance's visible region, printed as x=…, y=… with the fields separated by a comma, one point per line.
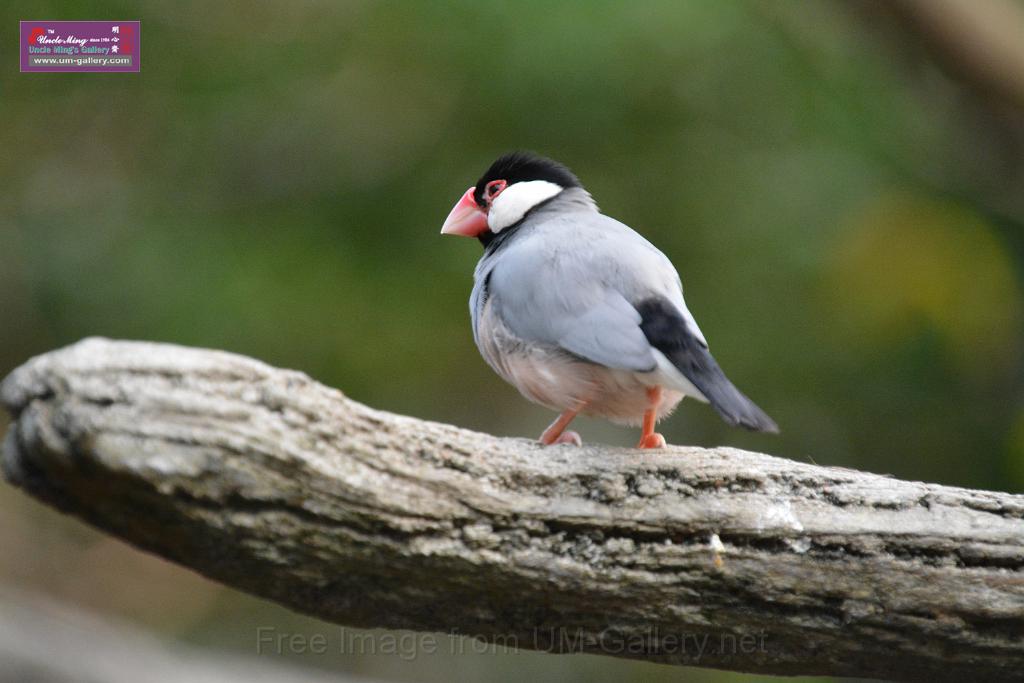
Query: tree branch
x=274, y=484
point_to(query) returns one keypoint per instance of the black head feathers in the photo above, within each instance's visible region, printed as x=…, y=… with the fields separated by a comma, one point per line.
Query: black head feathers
x=517, y=167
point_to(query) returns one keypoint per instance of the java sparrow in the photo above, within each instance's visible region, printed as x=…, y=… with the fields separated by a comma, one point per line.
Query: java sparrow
x=579, y=312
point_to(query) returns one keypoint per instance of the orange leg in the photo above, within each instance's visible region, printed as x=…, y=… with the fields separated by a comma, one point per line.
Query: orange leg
x=650, y=438
x=556, y=432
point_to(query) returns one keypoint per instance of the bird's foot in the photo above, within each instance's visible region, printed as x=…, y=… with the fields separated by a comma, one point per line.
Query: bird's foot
x=569, y=437
x=652, y=440
x=556, y=433
x=648, y=437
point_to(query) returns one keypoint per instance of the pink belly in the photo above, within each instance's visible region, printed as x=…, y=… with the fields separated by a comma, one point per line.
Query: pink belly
x=561, y=383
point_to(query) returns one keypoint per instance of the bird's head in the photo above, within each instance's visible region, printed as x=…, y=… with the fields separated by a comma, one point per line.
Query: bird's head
x=513, y=185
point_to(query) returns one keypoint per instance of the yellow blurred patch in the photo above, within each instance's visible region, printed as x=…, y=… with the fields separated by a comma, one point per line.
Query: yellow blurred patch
x=907, y=262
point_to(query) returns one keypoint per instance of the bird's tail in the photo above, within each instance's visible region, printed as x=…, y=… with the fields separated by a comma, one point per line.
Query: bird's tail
x=668, y=332
x=700, y=367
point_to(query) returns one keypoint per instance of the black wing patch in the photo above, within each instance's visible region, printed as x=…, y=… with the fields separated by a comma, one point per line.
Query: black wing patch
x=666, y=330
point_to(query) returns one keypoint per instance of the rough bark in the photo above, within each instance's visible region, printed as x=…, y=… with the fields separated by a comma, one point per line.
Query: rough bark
x=274, y=484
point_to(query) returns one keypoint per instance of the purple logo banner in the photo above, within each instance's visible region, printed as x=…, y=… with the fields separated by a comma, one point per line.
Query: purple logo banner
x=80, y=46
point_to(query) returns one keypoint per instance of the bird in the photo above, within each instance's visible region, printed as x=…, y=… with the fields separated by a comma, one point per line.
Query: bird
x=578, y=311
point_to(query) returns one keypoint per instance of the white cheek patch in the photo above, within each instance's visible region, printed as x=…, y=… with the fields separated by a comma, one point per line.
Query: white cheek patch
x=518, y=198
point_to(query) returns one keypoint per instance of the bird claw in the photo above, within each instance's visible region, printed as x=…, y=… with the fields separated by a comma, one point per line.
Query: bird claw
x=653, y=440
x=570, y=438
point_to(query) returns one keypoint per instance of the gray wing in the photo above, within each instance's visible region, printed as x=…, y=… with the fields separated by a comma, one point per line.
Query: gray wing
x=608, y=333
x=569, y=282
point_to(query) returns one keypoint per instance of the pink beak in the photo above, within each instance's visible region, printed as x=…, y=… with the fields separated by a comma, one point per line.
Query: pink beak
x=466, y=219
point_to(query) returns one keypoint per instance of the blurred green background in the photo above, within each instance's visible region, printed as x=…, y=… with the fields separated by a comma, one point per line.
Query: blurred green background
x=841, y=191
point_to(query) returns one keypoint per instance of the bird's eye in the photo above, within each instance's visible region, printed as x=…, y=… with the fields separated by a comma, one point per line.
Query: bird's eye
x=494, y=187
